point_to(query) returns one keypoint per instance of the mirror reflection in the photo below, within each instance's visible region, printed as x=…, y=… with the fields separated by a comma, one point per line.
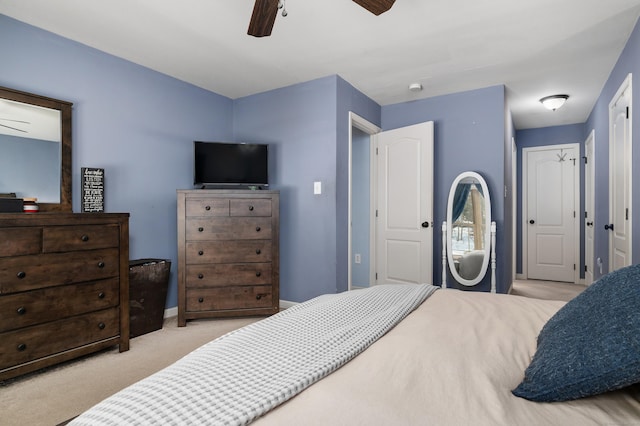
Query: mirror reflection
x=35, y=149
x=467, y=231
x=468, y=228
x=31, y=147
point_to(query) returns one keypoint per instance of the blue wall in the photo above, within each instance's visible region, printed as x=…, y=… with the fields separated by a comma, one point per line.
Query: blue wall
x=629, y=62
x=469, y=135
x=299, y=124
x=361, y=207
x=137, y=124
x=307, y=125
x=598, y=121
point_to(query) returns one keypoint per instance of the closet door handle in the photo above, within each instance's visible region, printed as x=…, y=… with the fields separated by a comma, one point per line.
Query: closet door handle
x=532, y=221
x=609, y=227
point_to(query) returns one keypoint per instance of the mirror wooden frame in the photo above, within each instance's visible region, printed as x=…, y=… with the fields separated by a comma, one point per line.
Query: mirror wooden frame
x=487, y=229
x=65, y=108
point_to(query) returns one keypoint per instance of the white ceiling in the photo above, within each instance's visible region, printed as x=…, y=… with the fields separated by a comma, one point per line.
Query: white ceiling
x=534, y=47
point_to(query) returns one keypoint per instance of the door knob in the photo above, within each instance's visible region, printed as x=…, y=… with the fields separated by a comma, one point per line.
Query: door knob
x=609, y=227
x=532, y=221
x=589, y=223
x=425, y=224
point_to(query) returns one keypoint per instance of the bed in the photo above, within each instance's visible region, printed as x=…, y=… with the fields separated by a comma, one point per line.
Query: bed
x=413, y=355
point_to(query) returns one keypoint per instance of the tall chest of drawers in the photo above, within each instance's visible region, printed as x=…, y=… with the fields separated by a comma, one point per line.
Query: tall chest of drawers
x=64, y=287
x=228, y=253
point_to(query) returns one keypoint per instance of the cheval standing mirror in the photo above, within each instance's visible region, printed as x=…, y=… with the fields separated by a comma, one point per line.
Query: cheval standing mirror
x=468, y=235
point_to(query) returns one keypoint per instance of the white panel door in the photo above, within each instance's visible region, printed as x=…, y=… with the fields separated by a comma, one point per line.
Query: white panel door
x=404, y=226
x=550, y=213
x=590, y=206
x=620, y=178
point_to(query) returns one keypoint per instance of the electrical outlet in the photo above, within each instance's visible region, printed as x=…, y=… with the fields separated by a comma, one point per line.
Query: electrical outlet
x=317, y=188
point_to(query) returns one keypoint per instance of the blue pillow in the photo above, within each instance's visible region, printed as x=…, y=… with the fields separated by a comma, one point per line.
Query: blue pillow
x=591, y=345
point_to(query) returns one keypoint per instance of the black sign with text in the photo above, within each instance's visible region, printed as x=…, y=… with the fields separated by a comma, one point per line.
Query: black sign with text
x=92, y=182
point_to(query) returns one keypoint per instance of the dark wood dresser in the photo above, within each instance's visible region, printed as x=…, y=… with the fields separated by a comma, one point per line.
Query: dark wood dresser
x=228, y=253
x=64, y=287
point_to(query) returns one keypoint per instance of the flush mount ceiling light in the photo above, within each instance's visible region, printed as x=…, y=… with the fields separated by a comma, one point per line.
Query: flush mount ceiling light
x=415, y=87
x=554, y=102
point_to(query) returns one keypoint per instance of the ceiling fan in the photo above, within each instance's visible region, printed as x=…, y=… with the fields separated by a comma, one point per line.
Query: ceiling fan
x=265, y=11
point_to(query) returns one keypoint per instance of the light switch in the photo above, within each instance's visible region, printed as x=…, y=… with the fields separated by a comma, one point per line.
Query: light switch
x=317, y=188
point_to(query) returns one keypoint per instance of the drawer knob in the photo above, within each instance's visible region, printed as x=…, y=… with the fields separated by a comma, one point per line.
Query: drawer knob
x=21, y=310
x=21, y=347
x=250, y=208
x=21, y=274
x=200, y=253
x=207, y=208
x=258, y=273
x=101, y=326
x=200, y=299
x=101, y=295
x=100, y=265
x=200, y=229
x=258, y=251
x=85, y=238
x=257, y=229
x=258, y=296
x=200, y=276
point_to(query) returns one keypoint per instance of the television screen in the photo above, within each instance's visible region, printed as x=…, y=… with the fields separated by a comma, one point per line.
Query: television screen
x=243, y=164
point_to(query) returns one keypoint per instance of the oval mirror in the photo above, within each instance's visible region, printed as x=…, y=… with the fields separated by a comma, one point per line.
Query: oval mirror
x=468, y=228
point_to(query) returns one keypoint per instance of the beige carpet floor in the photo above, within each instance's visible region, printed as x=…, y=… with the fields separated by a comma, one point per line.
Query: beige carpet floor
x=54, y=395
x=547, y=290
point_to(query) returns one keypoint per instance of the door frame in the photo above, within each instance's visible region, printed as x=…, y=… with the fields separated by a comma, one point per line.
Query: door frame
x=371, y=129
x=591, y=166
x=576, y=206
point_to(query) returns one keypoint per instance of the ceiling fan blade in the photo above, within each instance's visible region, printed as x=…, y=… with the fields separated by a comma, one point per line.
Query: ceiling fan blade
x=376, y=7
x=263, y=17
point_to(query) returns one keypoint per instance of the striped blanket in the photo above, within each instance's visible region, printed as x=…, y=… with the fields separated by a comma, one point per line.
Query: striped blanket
x=242, y=375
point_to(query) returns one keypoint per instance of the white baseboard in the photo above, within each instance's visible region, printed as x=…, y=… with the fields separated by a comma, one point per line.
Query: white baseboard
x=284, y=304
x=520, y=277
x=173, y=312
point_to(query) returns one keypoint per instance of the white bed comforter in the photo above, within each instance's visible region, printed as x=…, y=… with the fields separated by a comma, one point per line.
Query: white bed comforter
x=248, y=372
x=452, y=362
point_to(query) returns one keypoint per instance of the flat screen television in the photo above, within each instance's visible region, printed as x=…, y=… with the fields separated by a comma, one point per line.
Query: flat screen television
x=221, y=164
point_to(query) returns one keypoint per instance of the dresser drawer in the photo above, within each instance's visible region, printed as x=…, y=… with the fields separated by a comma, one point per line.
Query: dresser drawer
x=20, y=241
x=250, y=207
x=28, y=344
x=224, y=274
x=88, y=237
x=24, y=273
x=241, y=251
x=212, y=207
x=40, y=306
x=228, y=228
x=221, y=298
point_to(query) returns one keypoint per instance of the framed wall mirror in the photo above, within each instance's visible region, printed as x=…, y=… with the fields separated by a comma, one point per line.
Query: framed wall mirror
x=467, y=233
x=35, y=149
